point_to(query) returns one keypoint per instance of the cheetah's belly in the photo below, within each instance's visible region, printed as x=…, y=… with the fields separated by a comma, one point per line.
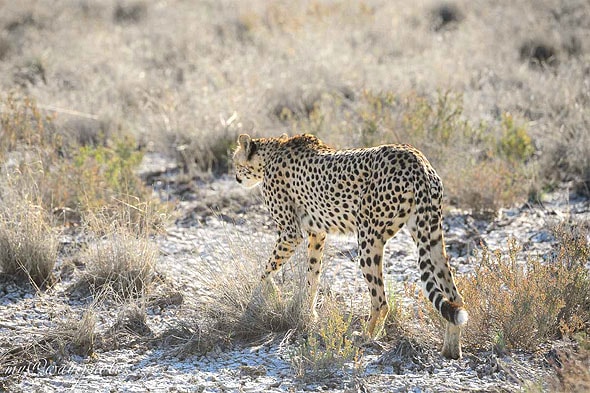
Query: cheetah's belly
x=332, y=219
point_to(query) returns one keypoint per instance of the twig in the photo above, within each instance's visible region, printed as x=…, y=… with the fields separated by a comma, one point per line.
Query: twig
x=71, y=112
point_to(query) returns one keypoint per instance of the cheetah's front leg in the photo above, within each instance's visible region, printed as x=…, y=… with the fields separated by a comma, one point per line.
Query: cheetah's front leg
x=284, y=248
x=315, y=250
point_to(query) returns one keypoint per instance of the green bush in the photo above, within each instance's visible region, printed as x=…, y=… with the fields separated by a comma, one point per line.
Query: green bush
x=327, y=347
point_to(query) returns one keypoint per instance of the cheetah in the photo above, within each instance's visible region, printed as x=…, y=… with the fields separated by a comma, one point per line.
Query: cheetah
x=312, y=189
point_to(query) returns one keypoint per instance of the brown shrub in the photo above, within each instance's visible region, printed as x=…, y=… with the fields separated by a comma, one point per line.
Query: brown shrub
x=514, y=304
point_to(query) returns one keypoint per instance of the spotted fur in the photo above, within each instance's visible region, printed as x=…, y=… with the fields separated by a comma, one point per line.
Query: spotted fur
x=312, y=188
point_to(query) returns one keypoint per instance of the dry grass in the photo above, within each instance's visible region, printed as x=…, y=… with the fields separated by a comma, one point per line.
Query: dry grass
x=327, y=348
x=572, y=367
x=517, y=302
x=120, y=265
x=463, y=153
x=28, y=243
x=74, y=335
x=71, y=168
x=240, y=306
x=498, y=109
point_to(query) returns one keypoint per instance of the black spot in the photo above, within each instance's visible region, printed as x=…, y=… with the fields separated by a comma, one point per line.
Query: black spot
x=429, y=286
x=377, y=259
x=373, y=292
x=369, y=277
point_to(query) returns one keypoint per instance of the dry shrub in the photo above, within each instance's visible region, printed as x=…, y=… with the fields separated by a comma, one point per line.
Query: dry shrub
x=515, y=304
x=204, y=148
x=119, y=265
x=28, y=245
x=23, y=128
x=71, y=336
x=187, y=337
x=130, y=12
x=539, y=53
x=130, y=328
x=572, y=367
x=567, y=156
x=445, y=15
x=484, y=187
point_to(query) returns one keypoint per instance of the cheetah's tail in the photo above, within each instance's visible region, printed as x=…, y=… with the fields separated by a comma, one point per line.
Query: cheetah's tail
x=453, y=313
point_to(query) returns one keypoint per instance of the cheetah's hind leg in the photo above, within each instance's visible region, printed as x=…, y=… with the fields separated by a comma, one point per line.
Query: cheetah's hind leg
x=452, y=342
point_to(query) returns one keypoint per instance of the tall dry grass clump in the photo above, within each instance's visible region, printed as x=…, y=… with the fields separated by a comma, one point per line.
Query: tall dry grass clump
x=520, y=304
x=28, y=243
x=118, y=265
x=120, y=256
x=239, y=305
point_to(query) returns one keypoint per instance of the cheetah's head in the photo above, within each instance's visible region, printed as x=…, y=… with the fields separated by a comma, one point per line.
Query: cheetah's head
x=247, y=162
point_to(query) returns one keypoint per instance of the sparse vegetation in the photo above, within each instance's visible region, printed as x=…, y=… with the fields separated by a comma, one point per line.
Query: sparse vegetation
x=328, y=346
x=572, y=367
x=240, y=306
x=500, y=111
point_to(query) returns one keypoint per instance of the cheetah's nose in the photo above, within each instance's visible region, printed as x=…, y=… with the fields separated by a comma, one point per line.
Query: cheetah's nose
x=238, y=179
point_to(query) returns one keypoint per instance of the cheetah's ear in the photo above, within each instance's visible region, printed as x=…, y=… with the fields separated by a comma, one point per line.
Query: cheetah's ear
x=248, y=145
x=244, y=141
x=283, y=137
